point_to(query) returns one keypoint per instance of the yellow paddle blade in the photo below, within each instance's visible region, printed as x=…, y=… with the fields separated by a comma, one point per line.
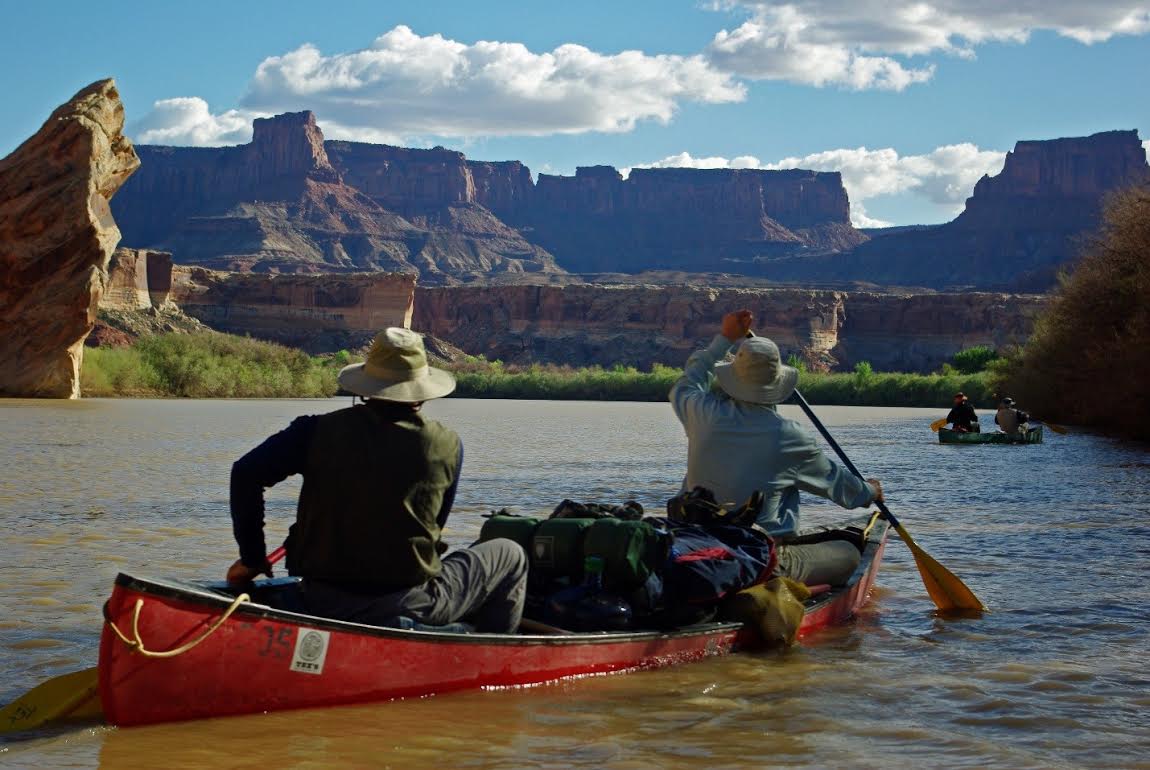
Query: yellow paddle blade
x=1056, y=428
x=947, y=592
x=937, y=424
x=57, y=698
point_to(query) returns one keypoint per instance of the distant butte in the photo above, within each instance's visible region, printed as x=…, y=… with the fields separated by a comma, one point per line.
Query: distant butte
x=291, y=202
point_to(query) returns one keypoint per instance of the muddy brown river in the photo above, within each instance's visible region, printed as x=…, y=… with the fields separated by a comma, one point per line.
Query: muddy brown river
x=1054, y=537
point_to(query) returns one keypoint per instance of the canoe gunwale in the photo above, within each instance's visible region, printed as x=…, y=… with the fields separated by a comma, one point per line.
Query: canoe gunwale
x=207, y=595
x=373, y=663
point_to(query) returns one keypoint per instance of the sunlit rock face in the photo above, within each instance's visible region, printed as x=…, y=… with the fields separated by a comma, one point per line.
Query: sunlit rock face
x=138, y=279
x=644, y=325
x=56, y=237
x=320, y=313
x=289, y=202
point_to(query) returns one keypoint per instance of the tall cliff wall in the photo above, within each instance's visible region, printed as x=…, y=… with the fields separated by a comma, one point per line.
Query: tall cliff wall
x=291, y=202
x=687, y=219
x=643, y=325
x=320, y=313
x=56, y=237
x=1018, y=229
x=282, y=204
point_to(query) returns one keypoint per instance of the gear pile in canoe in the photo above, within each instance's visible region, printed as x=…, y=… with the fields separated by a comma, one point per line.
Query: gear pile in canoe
x=262, y=658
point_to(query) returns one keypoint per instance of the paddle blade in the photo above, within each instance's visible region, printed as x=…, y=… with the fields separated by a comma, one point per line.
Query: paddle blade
x=948, y=593
x=1056, y=428
x=937, y=424
x=56, y=698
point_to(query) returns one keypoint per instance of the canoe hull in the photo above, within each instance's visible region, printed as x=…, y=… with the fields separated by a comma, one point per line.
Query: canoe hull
x=263, y=659
x=1033, y=436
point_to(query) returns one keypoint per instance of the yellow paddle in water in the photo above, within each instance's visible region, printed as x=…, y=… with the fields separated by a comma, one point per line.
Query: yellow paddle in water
x=74, y=695
x=59, y=697
x=947, y=592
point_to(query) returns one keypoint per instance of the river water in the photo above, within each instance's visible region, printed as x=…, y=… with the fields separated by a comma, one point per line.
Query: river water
x=1055, y=538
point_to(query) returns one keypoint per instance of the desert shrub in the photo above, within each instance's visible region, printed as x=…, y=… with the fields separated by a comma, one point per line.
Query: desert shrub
x=207, y=365
x=976, y=359
x=1088, y=359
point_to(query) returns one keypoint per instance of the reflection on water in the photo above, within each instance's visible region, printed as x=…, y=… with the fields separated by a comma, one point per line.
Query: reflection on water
x=1056, y=538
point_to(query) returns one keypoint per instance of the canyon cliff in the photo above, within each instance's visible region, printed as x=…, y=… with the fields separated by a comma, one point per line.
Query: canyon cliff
x=282, y=204
x=57, y=234
x=319, y=313
x=685, y=219
x=644, y=325
x=1018, y=229
x=291, y=202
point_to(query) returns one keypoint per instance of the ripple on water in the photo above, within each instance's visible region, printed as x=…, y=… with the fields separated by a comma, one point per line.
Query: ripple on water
x=1052, y=677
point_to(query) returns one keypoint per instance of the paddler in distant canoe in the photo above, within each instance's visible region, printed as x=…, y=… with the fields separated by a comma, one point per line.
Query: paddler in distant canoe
x=738, y=443
x=962, y=417
x=379, y=480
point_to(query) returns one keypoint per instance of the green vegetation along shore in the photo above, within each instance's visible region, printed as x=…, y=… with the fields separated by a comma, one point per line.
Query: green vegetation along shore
x=1088, y=360
x=215, y=365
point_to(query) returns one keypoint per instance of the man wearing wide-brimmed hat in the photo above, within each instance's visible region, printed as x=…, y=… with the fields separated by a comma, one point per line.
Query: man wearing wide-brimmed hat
x=738, y=443
x=379, y=480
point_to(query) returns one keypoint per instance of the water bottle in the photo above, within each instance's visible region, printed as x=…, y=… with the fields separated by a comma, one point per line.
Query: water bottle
x=588, y=607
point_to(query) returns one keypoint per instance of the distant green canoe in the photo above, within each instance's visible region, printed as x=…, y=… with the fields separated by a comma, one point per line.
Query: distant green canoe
x=1033, y=436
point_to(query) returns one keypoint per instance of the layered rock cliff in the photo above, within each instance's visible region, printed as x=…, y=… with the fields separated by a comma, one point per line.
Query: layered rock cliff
x=291, y=202
x=282, y=204
x=319, y=313
x=138, y=279
x=1018, y=229
x=686, y=219
x=56, y=237
x=643, y=325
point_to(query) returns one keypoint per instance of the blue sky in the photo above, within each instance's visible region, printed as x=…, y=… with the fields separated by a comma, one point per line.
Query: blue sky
x=912, y=102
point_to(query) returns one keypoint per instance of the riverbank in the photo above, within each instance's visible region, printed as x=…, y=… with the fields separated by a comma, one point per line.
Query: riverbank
x=214, y=365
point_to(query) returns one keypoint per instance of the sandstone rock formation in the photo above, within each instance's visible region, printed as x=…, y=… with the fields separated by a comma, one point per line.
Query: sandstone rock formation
x=289, y=202
x=137, y=279
x=320, y=313
x=643, y=325
x=56, y=236
x=1018, y=230
x=686, y=219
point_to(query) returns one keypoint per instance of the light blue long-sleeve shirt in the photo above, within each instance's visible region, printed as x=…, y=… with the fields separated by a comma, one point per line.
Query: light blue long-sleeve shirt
x=736, y=448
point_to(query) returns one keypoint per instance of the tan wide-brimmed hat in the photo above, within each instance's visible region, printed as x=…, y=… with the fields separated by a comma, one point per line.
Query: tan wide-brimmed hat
x=757, y=374
x=396, y=369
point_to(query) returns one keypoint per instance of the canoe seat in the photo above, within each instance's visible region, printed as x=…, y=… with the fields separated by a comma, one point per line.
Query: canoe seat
x=405, y=623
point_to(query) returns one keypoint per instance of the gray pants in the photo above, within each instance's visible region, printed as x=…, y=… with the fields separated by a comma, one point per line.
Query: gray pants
x=832, y=562
x=484, y=585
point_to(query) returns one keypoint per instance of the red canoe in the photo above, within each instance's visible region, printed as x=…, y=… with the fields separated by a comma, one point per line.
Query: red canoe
x=263, y=659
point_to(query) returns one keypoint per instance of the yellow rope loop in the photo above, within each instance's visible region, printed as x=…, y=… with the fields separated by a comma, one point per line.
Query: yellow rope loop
x=137, y=644
x=870, y=525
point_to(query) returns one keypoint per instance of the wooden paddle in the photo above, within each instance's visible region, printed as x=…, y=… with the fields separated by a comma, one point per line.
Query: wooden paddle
x=1056, y=428
x=74, y=695
x=937, y=425
x=947, y=592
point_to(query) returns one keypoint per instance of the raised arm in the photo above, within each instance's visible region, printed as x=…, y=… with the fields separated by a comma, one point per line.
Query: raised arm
x=690, y=395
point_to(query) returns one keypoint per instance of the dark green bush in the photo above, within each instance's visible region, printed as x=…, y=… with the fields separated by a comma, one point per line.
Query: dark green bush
x=976, y=359
x=1088, y=360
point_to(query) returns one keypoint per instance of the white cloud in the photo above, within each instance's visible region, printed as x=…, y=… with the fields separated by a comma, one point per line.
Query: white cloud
x=852, y=43
x=945, y=176
x=187, y=120
x=407, y=85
